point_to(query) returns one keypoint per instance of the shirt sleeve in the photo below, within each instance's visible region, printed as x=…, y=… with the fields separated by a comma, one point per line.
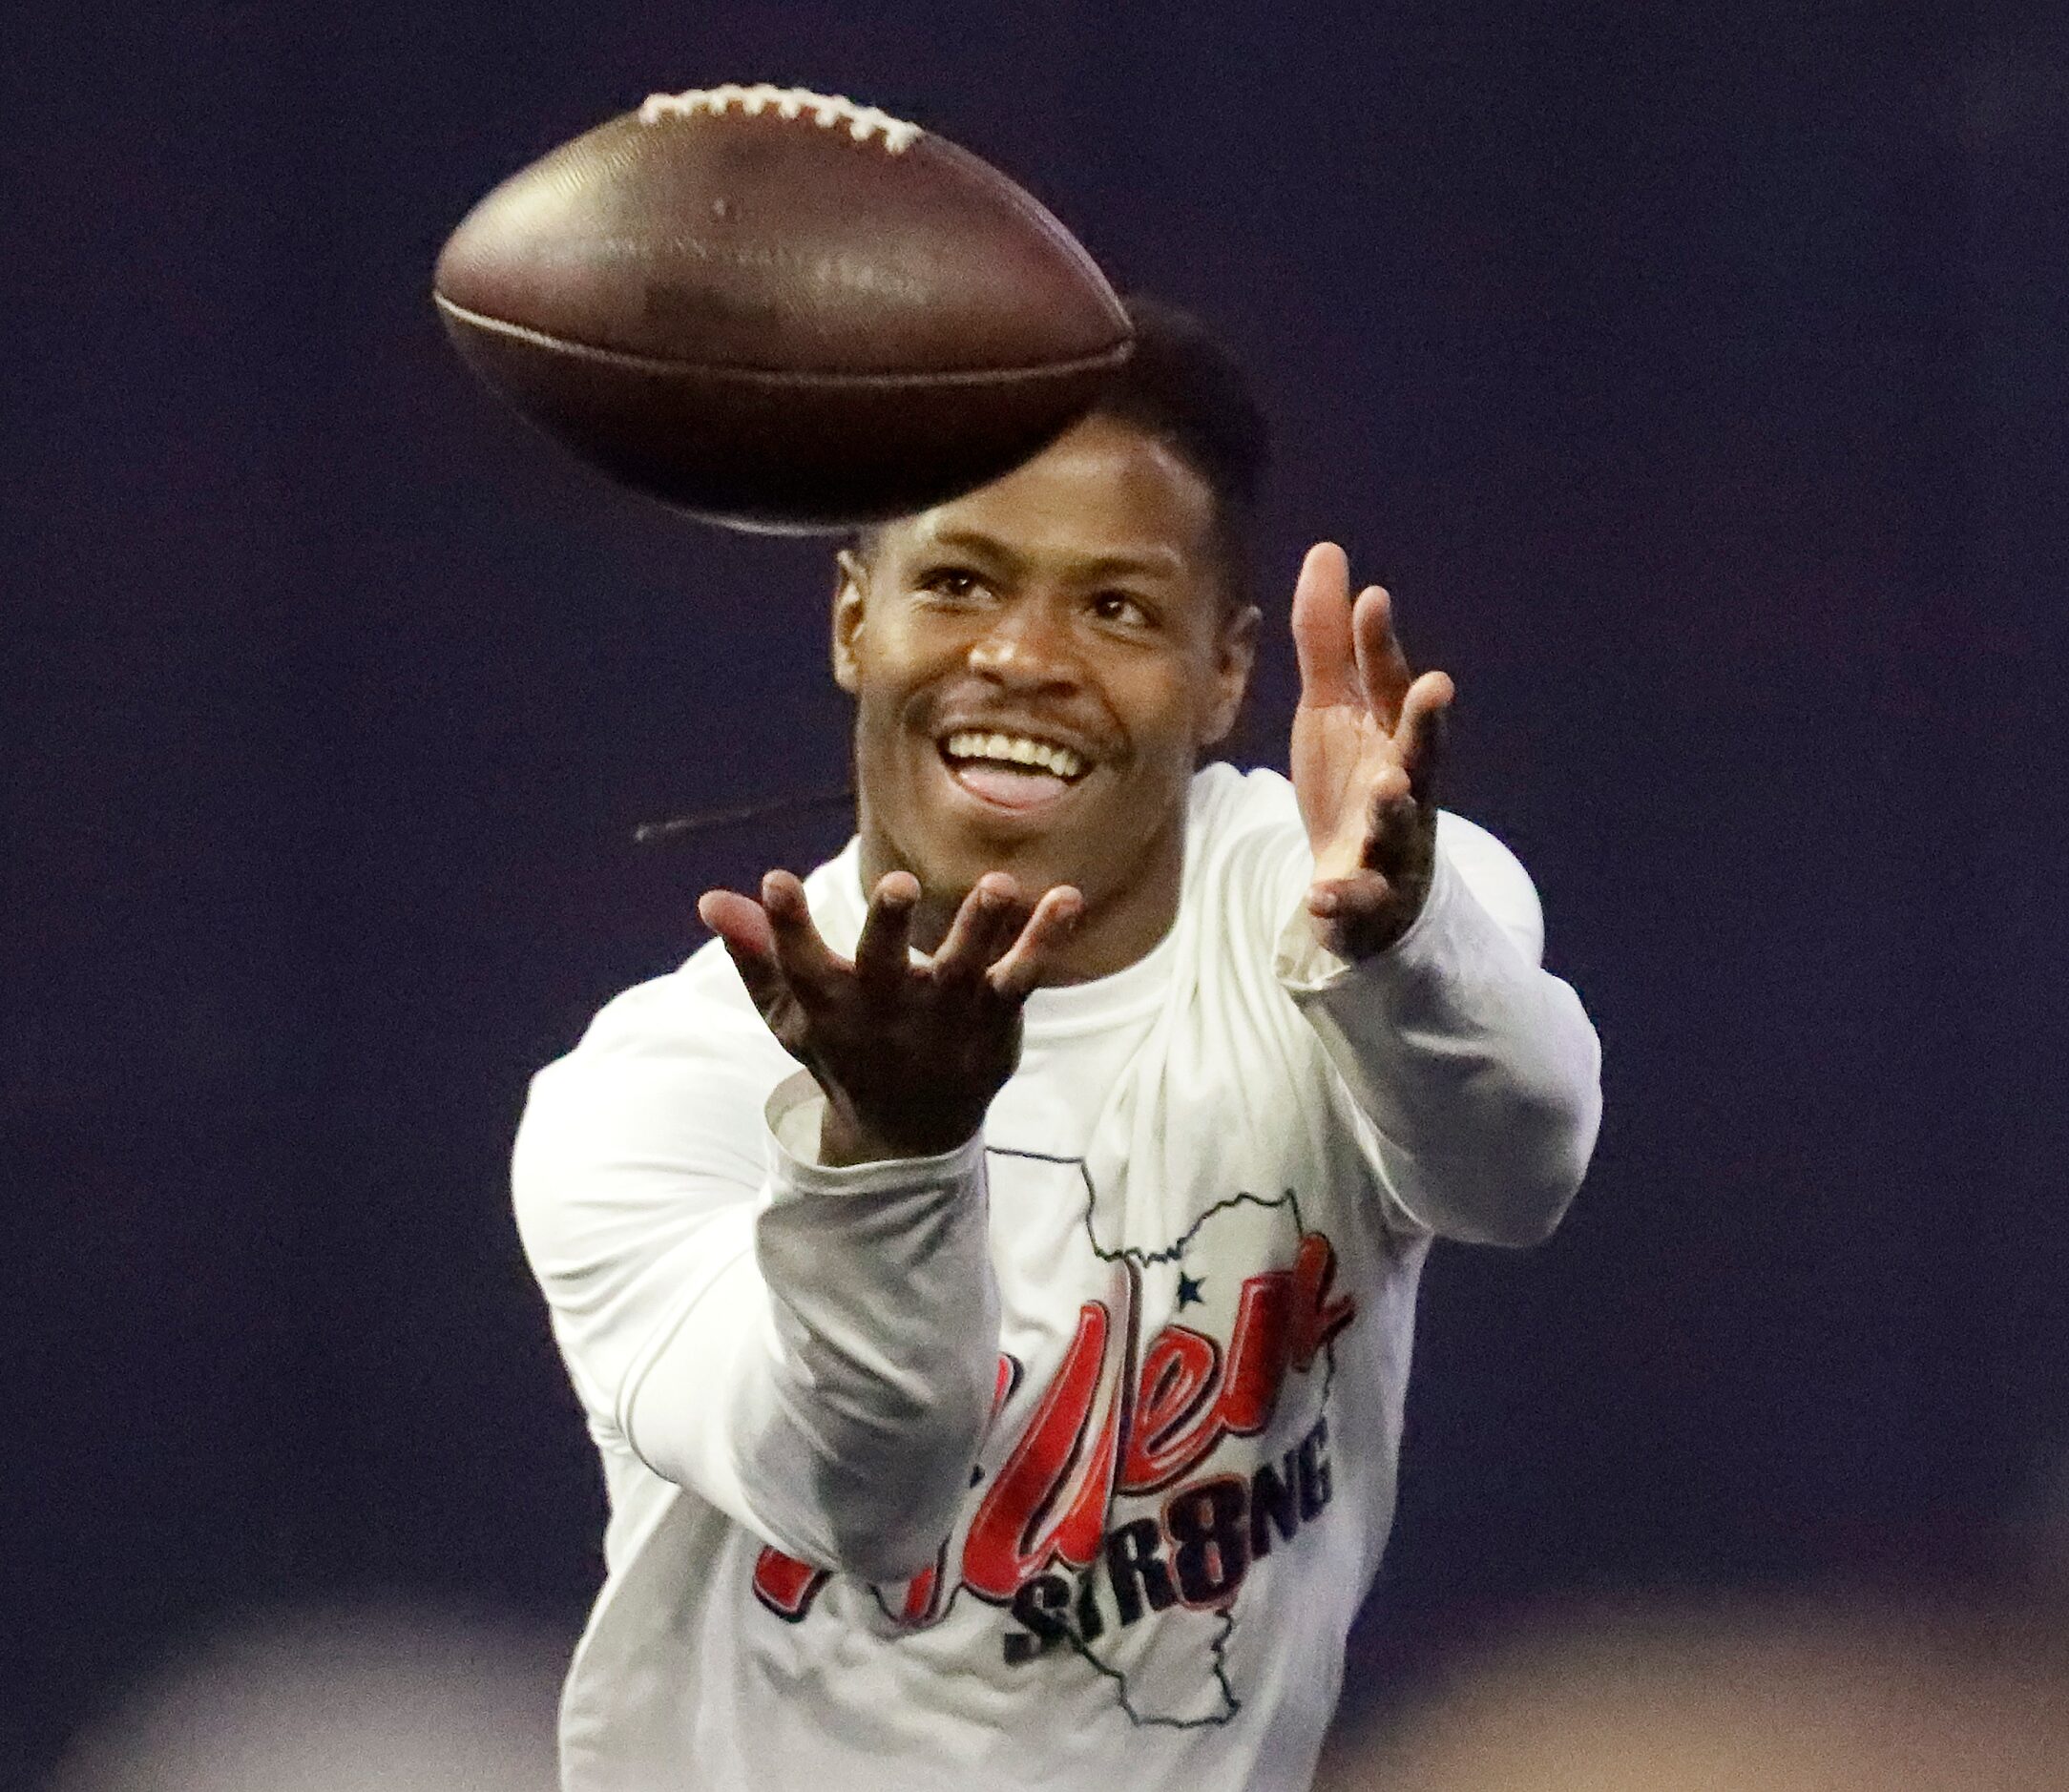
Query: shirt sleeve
x=1477, y=1071
x=812, y=1350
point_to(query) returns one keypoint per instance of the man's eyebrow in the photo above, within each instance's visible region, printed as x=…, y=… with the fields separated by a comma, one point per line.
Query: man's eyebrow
x=1154, y=562
x=970, y=541
x=1159, y=562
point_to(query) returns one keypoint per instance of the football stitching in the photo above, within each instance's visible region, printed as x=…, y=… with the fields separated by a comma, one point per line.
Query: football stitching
x=833, y=378
x=828, y=110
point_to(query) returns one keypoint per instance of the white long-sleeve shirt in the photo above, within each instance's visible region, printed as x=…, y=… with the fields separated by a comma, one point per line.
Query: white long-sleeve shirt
x=1064, y=1458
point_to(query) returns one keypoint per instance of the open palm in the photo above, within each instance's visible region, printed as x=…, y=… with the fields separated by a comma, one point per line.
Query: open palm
x=1367, y=740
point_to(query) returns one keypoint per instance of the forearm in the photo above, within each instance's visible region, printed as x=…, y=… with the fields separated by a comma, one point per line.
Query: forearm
x=834, y=1389
x=1478, y=1071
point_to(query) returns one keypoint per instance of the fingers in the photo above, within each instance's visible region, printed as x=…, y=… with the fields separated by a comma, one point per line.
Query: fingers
x=1360, y=914
x=1401, y=797
x=1349, y=652
x=1419, y=736
x=991, y=914
x=1390, y=817
x=1346, y=898
x=1028, y=961
x=1322, y=637
x=1383, y=674
x=882, y=953
x=994, y=940
x=744, y=928
x=805, y=959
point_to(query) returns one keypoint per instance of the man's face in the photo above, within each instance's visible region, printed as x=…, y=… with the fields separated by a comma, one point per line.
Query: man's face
x=1037, y=667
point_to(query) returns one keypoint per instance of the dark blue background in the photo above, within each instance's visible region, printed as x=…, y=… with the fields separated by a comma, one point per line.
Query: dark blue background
x=1694, y=376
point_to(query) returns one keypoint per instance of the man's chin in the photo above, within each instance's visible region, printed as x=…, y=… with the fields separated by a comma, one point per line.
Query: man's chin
x=1038, y=864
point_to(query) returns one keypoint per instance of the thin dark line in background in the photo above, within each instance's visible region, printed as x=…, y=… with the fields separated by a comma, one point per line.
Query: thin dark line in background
x=711, y=821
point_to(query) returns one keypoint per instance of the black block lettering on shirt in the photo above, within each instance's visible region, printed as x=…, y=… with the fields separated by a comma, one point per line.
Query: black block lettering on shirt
x=1314, y=1470
x=1091, y=1622
x=1271, y=1504
x=1041, y=1605
x=1207, y=1526
x=1135, y=1566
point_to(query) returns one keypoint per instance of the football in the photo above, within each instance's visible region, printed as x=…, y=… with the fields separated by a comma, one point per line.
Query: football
x=777, y=309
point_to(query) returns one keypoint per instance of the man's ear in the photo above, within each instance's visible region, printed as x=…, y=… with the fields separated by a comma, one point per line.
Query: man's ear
x=1235, y=653
x=851, y=598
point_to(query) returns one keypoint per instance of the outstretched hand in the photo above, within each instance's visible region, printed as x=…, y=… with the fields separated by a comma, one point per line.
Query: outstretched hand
x=1367, y=740
x=910, y=1051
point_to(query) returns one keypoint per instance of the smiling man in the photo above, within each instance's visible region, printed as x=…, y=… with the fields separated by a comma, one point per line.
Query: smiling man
x=989, y=1266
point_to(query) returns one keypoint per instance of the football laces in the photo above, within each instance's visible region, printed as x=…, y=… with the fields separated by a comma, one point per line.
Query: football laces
x=827, y=111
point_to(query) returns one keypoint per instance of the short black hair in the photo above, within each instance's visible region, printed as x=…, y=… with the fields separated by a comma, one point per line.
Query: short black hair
x=1183, y=387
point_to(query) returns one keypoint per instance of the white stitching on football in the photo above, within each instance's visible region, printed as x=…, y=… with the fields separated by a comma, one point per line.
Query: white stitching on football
x=828, y=110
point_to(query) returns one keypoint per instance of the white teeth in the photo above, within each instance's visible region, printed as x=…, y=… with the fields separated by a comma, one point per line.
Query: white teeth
x=1014, y=750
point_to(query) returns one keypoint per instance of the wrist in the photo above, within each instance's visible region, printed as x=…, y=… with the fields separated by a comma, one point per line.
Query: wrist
x=845, y=1140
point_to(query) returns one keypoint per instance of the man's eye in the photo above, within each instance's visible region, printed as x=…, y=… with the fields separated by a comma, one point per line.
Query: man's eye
x=951, y=581
x=1115, y=606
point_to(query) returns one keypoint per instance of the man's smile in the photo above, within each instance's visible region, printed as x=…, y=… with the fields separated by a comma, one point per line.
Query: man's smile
x=1011, y=770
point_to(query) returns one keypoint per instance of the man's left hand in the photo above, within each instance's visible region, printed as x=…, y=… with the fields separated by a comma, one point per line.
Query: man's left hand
x=1367, y=740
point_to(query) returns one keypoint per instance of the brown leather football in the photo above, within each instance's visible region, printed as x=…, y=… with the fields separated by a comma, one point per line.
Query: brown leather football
x=780, y=310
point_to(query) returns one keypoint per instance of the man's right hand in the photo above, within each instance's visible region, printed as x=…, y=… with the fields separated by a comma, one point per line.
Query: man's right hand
x=910, y=1051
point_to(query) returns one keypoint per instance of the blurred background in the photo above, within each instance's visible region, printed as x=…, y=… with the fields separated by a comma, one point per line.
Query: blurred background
x=1694, y=376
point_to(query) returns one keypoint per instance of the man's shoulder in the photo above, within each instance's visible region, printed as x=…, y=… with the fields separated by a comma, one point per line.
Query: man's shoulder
x=1228, y=807
x=1243, y=840
x=674, y=1070
x=1225, y=796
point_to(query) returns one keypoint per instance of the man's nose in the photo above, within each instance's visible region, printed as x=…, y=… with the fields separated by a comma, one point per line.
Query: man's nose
x=1029, y=645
